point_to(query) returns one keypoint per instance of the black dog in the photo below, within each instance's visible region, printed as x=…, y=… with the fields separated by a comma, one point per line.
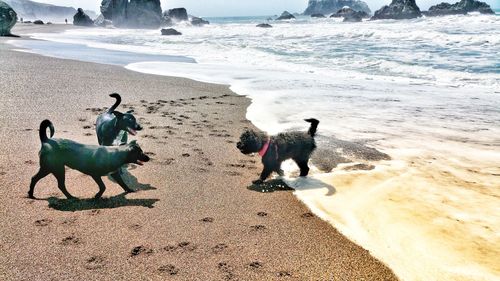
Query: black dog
x=275, y=149
x=93, y=160
x=110, y=124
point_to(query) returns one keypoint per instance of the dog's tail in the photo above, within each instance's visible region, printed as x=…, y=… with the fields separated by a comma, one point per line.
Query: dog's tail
x=117, y=103
x=43, y=130
x=314, y=126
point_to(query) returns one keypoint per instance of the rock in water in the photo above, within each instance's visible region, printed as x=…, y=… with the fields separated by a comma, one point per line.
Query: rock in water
x=82, y=19
x=348, y=12
x=144, y=14
x=318, y=16
x=170, y=31
x=199, y=21
x=102, y=22
x=398, y=9
x=286, y=16
x=8, y=19
x=264, y=25
x=332, y=6
x=177, y=14
x=354, y=17
x=115, y=11
x=460, y=8
x=38, y=22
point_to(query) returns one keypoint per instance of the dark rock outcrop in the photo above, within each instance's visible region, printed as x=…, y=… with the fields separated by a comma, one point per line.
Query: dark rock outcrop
x=144, y=14
x=264, y=25
x=115, y=11
x=177, y=14
x=170, y=31
x=82, y=19
x=398, y=9
x=332, y=6
x=460, y=8
x=318, y=16
x=355, y=17
x=102, y=22
x=30, y=10
x=38, y=22
x=8, y=19
x=199, y=21
x=286, y=16
x=348, y=12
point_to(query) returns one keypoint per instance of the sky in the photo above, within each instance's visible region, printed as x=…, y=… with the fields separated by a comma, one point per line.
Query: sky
x=211, y=8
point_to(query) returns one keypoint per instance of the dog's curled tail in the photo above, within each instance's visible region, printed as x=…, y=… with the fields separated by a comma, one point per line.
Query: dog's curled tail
x=117, y=103
x=43, y=130
x=314, y=126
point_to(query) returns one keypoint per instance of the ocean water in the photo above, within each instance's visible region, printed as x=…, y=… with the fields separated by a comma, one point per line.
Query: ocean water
x=426, y=92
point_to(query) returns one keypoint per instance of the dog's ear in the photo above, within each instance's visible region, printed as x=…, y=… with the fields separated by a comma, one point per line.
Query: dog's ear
x=118, y=114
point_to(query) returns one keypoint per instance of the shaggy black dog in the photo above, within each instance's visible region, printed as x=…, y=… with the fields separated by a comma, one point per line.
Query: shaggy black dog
x=275, y=149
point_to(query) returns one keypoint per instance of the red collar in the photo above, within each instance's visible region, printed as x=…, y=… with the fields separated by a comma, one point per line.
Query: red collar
x=264, y=149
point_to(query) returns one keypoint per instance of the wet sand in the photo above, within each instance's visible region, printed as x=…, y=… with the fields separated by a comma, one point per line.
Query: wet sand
x=194, y=217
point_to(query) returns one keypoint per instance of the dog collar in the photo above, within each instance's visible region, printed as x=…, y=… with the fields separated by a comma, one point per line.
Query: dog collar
x=264, y=149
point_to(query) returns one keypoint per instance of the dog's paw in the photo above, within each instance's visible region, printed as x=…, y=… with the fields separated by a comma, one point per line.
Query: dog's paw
x=259, y=181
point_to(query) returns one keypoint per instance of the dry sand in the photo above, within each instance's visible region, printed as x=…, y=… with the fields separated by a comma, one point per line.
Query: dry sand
x=193, y=217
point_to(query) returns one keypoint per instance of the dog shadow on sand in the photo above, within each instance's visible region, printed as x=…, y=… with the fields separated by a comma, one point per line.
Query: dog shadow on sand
x=292, y=185
x=132, y=181
x=117, y=201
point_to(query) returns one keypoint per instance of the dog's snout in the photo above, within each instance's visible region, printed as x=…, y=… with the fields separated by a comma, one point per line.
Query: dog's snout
x=138, y=127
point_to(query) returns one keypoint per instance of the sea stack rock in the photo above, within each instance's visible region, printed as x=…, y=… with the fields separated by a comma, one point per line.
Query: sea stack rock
x=264, y=25
x=177, y=14
x=354, y=17
x=82, y=19
x=144, y=14
x=115, y=11
x=199, y=21
x=8, y=19
x=398, y=9
x=170, y=31
x=460, y=8
x=348, y=12
x=331, y=6
x=38, y=22
x=286, y=16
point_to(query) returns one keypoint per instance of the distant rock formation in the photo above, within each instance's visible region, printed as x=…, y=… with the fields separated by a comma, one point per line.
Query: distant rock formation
x=354, y=17
x=102, y=22
x=348, y=12
x=398, y=9
x=460, y=8
x=38, y=22
x=170, y=31
x=318, y=16
x=286, y=16
x=144, y=14
x=30, y=10
x=135, y=14
x=8, y=19
x=177, y=14
x=82, y=19
x=332, y=6
x=199, y=21
x=264, y=25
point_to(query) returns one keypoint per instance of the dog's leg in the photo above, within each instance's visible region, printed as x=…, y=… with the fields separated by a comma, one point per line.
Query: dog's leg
x=304, y=168
x=61, y=182
x=280, y=172
x=42, y=173
x=118, y=178
x=266, y=172
x=101, y=185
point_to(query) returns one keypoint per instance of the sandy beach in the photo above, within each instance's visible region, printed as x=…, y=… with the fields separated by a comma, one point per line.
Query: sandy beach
x=193, y=216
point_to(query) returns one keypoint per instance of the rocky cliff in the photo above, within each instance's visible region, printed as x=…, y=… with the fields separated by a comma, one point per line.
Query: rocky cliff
x=30, y=10
x=332, y=6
